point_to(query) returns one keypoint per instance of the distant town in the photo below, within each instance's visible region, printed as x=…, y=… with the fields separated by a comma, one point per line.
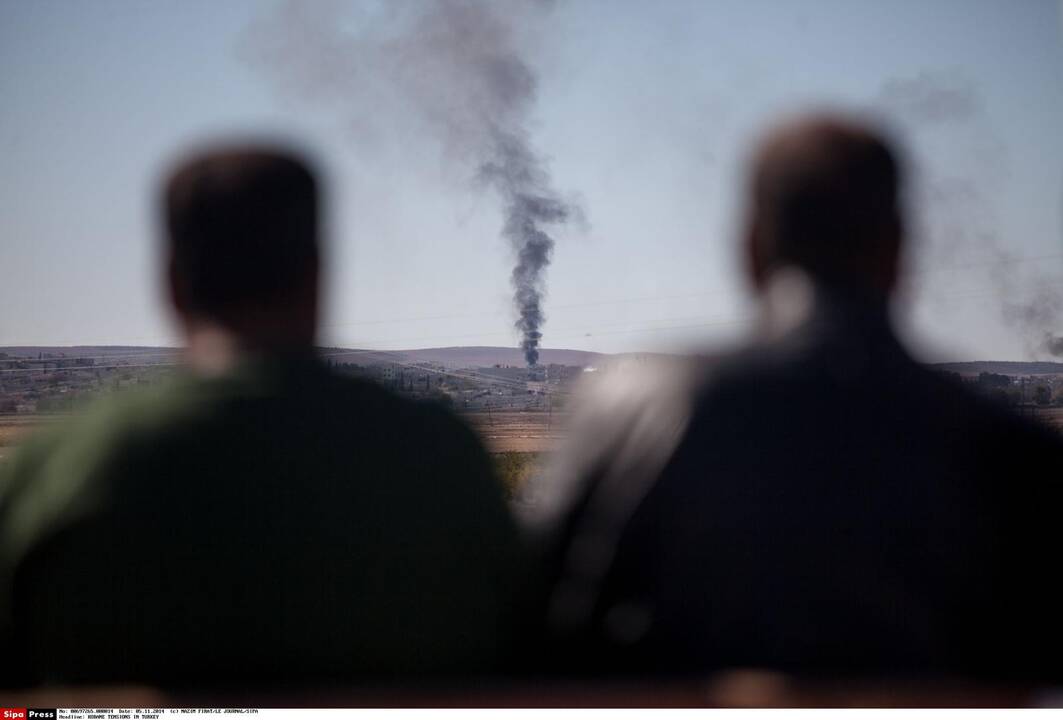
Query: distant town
x=35, y=380
x=58, y=380
x=520, y=413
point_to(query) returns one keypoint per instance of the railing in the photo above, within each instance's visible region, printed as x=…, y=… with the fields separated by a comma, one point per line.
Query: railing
x=731, y=689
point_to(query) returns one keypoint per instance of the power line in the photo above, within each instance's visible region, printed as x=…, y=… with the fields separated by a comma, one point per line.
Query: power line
x=466, y=374
x=990, y=263
x=469, y=374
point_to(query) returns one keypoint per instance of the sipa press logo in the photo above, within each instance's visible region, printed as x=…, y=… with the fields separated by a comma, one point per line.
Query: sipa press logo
x=27, y=713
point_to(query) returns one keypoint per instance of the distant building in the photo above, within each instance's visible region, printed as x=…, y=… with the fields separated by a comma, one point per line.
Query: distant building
x=505, y=373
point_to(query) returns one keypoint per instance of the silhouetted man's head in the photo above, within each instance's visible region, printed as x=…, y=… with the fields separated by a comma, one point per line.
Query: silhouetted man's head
x=242, y=234
x=824, y=198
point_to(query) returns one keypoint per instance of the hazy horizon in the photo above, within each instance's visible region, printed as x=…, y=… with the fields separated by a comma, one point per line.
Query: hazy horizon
x=160, y=350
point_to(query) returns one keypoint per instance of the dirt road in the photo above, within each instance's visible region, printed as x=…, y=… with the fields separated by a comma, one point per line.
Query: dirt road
x=519, y=431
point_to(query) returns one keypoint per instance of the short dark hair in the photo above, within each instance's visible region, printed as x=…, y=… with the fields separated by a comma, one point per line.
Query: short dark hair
x=242, y=227
x=826, y=192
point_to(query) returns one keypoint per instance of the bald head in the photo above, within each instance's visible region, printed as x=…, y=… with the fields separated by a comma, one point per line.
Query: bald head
x=824, y=199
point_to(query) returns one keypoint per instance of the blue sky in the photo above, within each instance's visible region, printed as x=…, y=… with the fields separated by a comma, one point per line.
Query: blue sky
x=646, y=112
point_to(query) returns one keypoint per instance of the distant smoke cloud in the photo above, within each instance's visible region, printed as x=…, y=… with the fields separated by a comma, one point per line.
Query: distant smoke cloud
x=958, y=211
x=930, y=98
x=1054, y=344
x=1037, y=316
x=459, y=67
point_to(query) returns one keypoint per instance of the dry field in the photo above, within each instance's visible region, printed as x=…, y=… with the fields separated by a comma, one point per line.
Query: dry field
x=14, y=427
x=519, y=431
x=1053, y=415
x=502, y=432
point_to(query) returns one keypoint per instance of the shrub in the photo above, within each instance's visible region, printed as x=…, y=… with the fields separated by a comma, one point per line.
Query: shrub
x=514, y=469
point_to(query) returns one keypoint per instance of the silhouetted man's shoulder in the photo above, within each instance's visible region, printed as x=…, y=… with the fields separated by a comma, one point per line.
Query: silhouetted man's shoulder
x=308, y=526
x=785, y=490
x=625, y=425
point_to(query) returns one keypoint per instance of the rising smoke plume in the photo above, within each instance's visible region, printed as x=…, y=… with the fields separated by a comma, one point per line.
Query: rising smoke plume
x=523, y=184
x=963, y=219
x=930, y=98
x=454, y=69
x=1038, y=314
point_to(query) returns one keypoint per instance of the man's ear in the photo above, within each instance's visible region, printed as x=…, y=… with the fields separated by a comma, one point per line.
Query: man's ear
x=308, y=291
x=178, y=289
x=757, y=263
x=313, y=276
x=888, y=269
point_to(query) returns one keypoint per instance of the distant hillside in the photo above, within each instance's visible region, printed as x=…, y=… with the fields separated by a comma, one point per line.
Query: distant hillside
x=1002, y=367
x=94, y=351
x=449, y=356
x=488, y=356
x=481, y=356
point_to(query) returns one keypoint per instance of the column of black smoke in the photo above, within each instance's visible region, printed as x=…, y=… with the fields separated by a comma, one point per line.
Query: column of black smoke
x=520, y=178
x=523, y=184
x=454, y=69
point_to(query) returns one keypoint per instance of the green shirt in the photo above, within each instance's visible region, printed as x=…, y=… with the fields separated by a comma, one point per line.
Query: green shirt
x=279, y=522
